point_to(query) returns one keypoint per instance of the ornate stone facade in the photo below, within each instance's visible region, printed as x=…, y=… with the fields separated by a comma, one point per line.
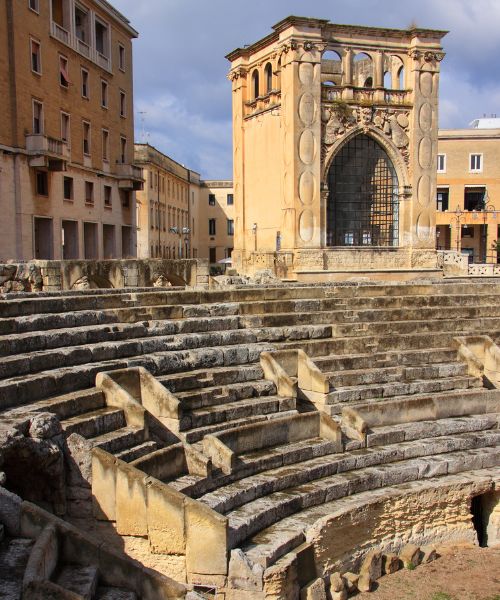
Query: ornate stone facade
x=300, y=96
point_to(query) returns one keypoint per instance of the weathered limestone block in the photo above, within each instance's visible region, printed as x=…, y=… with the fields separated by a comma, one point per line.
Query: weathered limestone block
x=314, y=591
x=281, y=580
x=206, y=539
x=428, y=554
x=243, y=575
x=390, y=564
x=410, y=555
x=372, y=564
x=365, y=582
x=351, y=580
x=166, y=519
x=337, y=582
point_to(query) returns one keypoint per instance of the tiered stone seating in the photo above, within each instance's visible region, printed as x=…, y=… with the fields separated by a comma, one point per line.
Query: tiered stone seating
x=410, y=414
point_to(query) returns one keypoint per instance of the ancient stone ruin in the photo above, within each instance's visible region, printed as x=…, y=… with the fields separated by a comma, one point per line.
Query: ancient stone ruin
x=245, y=442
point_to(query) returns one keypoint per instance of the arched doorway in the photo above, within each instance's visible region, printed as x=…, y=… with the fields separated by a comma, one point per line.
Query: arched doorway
x=363, y=205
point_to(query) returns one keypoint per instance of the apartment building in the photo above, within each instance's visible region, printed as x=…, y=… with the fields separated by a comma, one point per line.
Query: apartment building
x=166, y=207
x=216, y=222
x=468, y=190
x=67, y=173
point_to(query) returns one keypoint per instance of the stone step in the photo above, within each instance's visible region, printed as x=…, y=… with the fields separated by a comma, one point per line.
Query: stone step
x=217, y=395
x=379, y=374
x=458, y=326
x=304, y=470
x=235, y=411
x=124, y=439
x=107, y=593
x=95, y=423
x=183, y=382
x=79, y=580
x=394, y=434
x=380, y=315
x=14, y=555
x=367, y=392
x=384, y=359
x=257, y=515
x=267, y=546
x=364, y=302
x=65, y=406
x=137, y=451
x=195, y=435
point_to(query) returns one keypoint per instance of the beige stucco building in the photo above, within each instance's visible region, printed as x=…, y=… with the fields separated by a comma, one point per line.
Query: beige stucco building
x=166, y=207
x=216, y=222
x=67, y=178
x=468, y=192
x=335, y=145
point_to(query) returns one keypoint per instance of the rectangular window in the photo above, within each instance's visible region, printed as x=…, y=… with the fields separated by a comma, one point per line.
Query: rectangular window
x=123, y=104
x=89, y=192
x=230, y=227
x=125, y=198
x=211, y=199
x=467, y=231
x=85, y=83
x=123, y=150
x=476, y=163
x=212, y=254
x=121, y=57
x=101, y=38
x=34, y=5
x=230, y=199
x=105, y=144
x=86, y=138
x=442, y=199
x=441, y=163
x=474, y=198
x=348, y=239
x=36, y=57
x=63, y=72
x=37, y=117
x=42, y=183
x=65, y=127
x=104, y=93
x=82, y=24
x=68, y=188
x=151, y=177
x=107, y=195
x=211, y=226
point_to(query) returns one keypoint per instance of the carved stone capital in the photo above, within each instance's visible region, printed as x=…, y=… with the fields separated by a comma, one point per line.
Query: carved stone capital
x=236, y=74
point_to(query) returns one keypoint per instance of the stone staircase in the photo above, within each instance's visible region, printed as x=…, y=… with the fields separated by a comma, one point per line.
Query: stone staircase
x=375, y=345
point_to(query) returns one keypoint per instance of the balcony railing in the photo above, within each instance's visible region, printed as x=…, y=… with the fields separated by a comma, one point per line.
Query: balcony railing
x=262, y=103
x=365, y=95
x=39, y=144
x=128, y=171
x=60, y=33
x=73, y=41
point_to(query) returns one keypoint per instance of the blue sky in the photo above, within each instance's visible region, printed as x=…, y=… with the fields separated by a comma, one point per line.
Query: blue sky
x=180, y=70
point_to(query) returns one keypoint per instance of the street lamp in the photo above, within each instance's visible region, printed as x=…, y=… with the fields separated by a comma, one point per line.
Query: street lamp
x=487, y=209
x=180, y=231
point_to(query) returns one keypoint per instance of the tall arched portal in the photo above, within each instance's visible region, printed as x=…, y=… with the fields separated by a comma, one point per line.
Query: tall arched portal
x=363, y=203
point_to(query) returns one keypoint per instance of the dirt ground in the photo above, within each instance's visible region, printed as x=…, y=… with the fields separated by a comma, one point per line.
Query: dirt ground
x=467, y=573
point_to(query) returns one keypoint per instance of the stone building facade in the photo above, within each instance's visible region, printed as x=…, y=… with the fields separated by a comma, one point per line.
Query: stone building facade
x=216, y=222
x=335, y=143
x=468, y=192
x=166, y=207
x=67, y=177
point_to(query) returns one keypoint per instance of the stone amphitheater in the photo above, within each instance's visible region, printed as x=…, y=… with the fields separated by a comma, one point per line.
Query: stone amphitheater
x=252, y=442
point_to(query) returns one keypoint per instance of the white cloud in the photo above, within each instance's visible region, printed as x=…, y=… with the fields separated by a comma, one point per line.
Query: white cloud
x=180, y=70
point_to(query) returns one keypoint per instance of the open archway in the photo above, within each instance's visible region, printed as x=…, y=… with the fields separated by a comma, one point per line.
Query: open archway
x=363, y=201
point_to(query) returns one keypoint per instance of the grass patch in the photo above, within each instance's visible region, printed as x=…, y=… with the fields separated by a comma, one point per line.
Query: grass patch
x=411, y=567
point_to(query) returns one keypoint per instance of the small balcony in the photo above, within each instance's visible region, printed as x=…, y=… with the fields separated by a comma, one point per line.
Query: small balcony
x=130, y=176
x=333, y=93
x=47, y=152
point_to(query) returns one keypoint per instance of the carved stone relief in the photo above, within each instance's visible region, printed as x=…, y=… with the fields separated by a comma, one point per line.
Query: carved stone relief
x=338, y=119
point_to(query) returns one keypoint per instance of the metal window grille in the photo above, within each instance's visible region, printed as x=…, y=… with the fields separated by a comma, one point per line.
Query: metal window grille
x=363, y=206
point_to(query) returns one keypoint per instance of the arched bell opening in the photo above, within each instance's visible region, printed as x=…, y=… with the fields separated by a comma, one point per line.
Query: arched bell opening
x=363, y=199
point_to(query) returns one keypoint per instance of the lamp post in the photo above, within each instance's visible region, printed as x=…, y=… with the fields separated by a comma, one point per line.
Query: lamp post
x=487, y=210
x=180, y=231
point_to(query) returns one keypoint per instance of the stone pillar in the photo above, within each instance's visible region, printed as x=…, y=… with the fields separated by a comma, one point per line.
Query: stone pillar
x=239, y=85
x=303, y=130
x=424, y=80
x=378, y=70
